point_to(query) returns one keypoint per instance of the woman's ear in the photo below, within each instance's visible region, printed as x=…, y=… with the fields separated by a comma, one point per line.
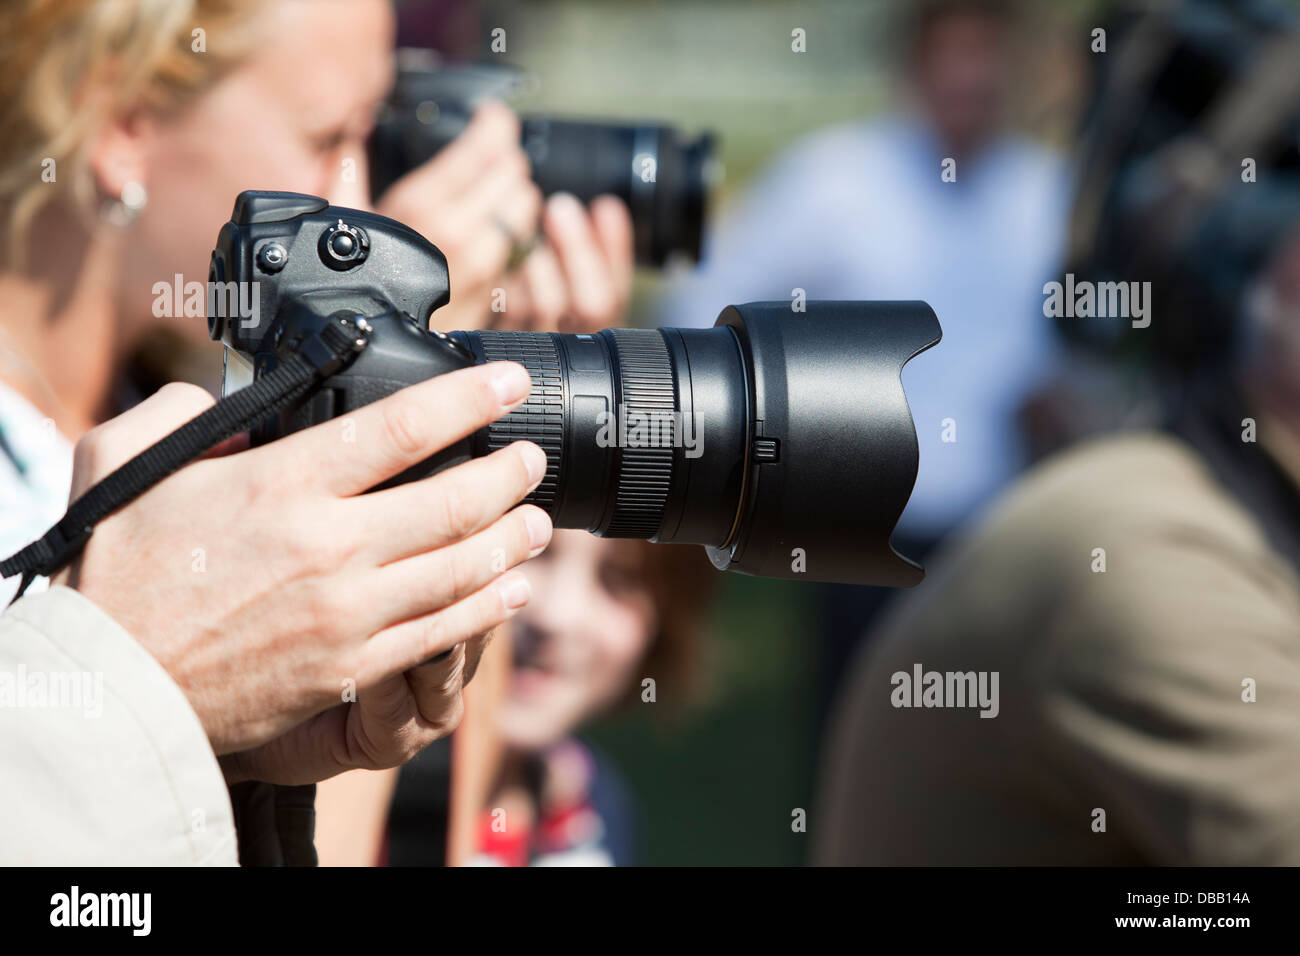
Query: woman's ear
x=117, y=157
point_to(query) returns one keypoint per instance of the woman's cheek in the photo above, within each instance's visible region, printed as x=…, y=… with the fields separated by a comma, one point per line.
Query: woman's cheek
x=621, y=647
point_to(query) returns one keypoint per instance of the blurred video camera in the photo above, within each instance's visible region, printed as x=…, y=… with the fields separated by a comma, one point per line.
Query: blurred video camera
x=663, y=177
x=1190, y=169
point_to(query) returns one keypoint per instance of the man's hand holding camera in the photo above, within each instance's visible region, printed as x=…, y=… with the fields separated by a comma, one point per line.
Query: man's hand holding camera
x=316, y=586
x=517, y=262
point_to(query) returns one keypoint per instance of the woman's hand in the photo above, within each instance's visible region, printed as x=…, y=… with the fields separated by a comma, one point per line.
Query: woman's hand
x=476, y=202
x=580, y=279
x=273, y=587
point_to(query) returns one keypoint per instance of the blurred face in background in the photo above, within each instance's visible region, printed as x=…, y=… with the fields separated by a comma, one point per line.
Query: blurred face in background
x=286, y=118
x=960, y=73
x=578, y=642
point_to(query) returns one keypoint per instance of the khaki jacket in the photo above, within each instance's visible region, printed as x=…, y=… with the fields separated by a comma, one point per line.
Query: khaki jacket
x=1147, y=713
x=102, y=760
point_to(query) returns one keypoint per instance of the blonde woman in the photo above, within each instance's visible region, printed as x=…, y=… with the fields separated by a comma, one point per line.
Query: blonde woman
x=126, y=129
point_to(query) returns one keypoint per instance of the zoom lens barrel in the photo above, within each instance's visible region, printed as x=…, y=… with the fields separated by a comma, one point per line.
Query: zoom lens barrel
x=780, y=441
x=625, y=443
x=663, y=177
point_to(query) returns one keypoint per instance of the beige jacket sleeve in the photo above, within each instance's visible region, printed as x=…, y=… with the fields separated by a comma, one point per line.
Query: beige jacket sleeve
x=104, y=762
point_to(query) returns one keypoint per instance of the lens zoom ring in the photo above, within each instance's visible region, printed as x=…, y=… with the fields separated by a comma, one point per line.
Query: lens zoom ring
x=541, y=418
x=647, y=396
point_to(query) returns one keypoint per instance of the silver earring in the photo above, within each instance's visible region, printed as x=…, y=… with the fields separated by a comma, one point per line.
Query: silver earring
x=124, y=210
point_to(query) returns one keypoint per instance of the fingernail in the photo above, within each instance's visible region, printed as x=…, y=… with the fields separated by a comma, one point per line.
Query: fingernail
x=534, y=461
x=511, y=382
x=539, y=530
x=515, y=591
x=565, y=205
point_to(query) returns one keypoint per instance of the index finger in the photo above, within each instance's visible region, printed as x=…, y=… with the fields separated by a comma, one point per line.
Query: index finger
x=583, y=261
x=613, y=225
x=353, y=453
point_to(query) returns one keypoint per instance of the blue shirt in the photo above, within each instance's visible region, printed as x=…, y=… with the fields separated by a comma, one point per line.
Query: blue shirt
x=35, y=477
x=861, y=212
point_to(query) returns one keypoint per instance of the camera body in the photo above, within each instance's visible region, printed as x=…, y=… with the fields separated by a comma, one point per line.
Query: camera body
x=781, y=441
x=285, y=248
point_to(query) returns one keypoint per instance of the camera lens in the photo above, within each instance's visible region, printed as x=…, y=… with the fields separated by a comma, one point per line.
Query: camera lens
x=781, y=441
x=663, y=178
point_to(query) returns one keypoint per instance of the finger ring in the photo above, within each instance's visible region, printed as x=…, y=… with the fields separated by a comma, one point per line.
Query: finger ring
x=519, y=248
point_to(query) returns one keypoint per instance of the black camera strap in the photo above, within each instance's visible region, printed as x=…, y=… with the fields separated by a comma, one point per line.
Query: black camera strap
x=319, y=357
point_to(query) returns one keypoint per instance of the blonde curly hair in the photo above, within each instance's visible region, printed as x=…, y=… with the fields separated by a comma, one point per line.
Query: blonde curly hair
x=70, y=64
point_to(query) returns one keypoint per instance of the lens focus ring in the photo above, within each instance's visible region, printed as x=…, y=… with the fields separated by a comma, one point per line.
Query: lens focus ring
x=646, y=397
x=541, y=418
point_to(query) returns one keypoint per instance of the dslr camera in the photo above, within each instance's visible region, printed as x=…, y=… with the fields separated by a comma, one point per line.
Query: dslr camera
x=662, y=176
x=779, y=439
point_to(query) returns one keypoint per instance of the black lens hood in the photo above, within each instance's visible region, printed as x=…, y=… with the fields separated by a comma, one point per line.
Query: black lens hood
x=833, y=455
